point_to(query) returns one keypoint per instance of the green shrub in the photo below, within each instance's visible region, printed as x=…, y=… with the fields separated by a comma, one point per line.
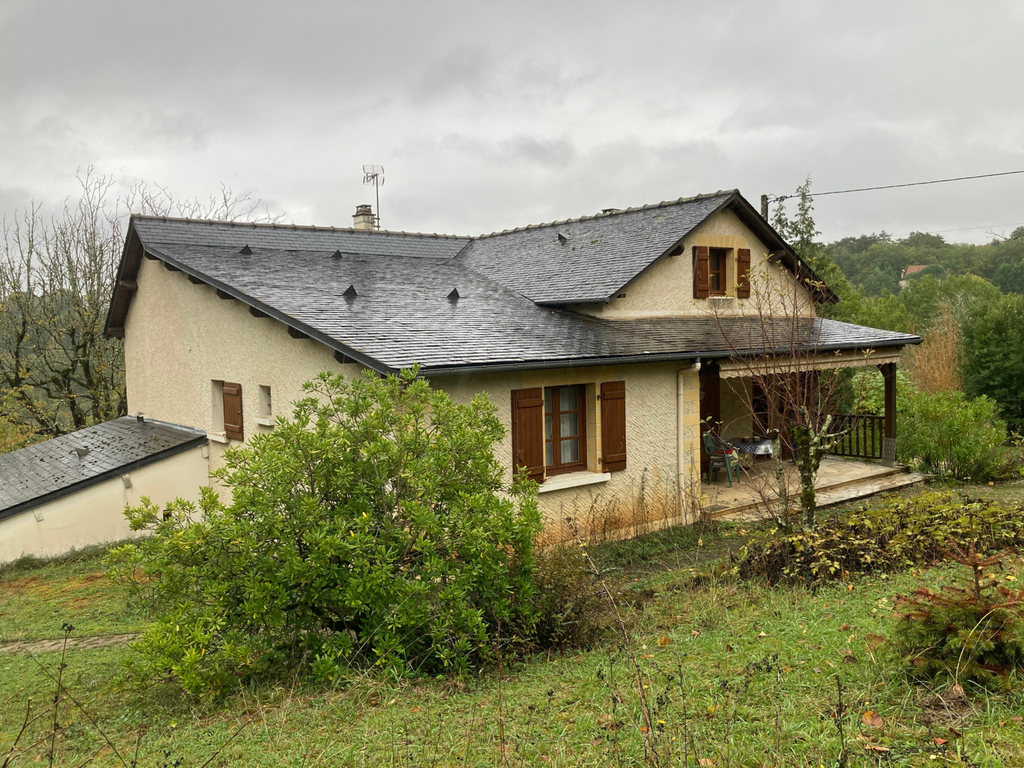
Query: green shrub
x=897, y=534
x=371, y=529
x=571, y=607
x=974, y=633
x=866, y=388
x=950, y=434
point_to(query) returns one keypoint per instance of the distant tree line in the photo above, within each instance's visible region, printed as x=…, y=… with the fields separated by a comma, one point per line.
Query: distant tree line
x=972, y=296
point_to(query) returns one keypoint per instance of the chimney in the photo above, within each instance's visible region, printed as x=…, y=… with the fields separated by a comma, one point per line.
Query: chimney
x=363, y=217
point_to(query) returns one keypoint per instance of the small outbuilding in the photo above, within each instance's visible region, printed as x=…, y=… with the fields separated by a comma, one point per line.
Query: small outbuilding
x=70, y=492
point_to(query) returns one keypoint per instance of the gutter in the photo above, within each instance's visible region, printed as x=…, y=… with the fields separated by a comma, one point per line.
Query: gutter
x=532, y=365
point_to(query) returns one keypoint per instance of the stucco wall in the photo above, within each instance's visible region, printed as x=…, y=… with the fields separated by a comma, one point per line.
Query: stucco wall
x=648, y=488
x=180, y=338
x=666, y=288
x=95, y=515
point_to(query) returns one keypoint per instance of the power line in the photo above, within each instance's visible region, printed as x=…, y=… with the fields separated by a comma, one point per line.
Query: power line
x=897, y=186
x=960, y=229
x=987, y=226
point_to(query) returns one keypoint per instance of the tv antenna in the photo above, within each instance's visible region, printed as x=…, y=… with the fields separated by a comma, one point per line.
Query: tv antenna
x=374, y=174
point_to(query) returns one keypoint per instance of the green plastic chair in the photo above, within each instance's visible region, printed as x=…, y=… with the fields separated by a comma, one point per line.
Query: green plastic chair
x=721, y=456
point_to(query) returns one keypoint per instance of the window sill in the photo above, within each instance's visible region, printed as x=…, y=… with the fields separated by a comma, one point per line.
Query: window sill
x=721, y=299
x=217, y=437
x=265, y=421
x=573, y=480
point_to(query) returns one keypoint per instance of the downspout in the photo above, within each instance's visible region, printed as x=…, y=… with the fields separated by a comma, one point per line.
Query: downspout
x=683, y=460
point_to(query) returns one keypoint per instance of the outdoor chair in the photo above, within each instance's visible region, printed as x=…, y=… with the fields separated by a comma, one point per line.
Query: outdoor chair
x=720, y=455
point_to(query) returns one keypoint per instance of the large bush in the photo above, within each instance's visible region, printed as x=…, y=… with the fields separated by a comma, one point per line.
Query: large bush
x=950, y=434
x=889, y=537
x=372, y=528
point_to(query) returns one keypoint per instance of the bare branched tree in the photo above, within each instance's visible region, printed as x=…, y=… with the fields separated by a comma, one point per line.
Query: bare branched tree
x=57, y=371
x=793, y=390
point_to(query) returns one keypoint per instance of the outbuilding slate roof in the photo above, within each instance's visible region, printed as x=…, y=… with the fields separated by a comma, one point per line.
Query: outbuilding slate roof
x=63, y=465
x=456, y=303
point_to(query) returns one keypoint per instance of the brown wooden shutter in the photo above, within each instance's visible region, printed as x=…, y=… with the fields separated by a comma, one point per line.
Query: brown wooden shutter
x=528, y=432
x=613, y=426
x=743, y=273
x=233, y=411
x=701, y=272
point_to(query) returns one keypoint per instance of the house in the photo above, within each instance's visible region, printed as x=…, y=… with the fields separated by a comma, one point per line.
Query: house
x=604, y=340
x=914, y=269
x=70, y=492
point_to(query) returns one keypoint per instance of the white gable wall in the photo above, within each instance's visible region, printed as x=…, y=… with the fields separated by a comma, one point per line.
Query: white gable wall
x=95, y=515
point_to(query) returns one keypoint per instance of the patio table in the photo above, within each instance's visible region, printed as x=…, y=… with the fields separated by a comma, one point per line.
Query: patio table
x=754, y=447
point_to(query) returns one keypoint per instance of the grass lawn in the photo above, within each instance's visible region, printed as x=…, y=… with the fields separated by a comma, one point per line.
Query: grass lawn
x=735, y=675
x=37, y=597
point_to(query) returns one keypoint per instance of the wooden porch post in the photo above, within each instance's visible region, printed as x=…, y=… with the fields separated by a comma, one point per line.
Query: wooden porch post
x=889, y=438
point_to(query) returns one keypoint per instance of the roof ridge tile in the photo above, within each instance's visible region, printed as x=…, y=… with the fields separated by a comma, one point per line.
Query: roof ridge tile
x=296, y=227
x=618, y=212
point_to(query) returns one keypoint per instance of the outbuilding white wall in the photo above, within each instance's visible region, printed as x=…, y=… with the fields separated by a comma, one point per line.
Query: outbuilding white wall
x=95, y=515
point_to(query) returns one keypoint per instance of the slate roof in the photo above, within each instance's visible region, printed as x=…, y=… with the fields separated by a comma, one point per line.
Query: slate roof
x=510, y=312
x=52, y=469
x=587, y=260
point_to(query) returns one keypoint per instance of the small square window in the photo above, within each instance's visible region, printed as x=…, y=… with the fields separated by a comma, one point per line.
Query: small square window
x=266, y=404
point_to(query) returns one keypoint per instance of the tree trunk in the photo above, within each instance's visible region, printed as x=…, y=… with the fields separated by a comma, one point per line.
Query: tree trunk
x=808, y=459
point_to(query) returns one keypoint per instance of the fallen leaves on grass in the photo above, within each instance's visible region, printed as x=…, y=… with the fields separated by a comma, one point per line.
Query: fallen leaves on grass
x=872, y=719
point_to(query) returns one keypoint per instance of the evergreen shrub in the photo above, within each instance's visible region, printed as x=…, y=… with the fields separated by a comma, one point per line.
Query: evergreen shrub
x=951, y=435
x=972, y=633
x=372, y=529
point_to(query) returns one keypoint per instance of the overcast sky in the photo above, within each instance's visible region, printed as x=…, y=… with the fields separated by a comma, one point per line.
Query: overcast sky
x=490, y=115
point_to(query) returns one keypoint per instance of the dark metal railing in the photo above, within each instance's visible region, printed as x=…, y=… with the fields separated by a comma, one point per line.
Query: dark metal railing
x=861, y=435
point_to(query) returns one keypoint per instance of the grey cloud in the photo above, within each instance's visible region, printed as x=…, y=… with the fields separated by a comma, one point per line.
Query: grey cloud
x=489, y=115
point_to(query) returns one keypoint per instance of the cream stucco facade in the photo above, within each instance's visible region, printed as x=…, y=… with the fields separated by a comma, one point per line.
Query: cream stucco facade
x=182, y=341
x=666, y=288
x=95, y=515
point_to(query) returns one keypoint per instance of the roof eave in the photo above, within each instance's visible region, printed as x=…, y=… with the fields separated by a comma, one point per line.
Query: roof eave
x=360, y=357
x=587, y=362
x=819, y=291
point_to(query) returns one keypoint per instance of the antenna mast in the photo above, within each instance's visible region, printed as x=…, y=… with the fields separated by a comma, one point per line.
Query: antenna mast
x=374, y=174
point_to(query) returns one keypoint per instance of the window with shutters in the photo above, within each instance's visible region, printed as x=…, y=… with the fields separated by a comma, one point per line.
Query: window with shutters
x=721, y=272
x=549, y=429
x=717, y=258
